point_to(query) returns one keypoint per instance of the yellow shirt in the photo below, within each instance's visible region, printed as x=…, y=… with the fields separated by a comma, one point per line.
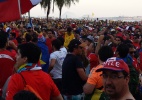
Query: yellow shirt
x=68, y=38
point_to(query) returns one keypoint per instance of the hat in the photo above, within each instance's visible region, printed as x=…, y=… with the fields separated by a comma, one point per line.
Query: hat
x=74, y=43
x=114, y=64
x=90, y=38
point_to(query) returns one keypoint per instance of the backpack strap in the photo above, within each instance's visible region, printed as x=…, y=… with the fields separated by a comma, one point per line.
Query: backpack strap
x=25, y=83
x=29, y=88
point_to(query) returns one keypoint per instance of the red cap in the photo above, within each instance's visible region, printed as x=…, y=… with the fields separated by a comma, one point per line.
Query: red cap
x=115, y=64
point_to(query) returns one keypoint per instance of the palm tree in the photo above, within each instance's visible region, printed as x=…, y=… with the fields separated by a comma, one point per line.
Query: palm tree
x=61, y=3
x=46, y=4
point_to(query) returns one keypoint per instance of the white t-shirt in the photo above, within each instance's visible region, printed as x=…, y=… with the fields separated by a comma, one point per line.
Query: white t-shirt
x=56, y=72
x=64, y=50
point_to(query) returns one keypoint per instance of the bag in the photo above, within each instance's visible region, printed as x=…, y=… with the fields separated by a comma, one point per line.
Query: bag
x=29, y=88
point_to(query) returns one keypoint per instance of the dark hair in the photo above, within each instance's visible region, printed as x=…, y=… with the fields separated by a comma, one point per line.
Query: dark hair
x=50, y=30
x=130, y=45
x=122, y=50
x=25, y=95
x=13, y=34
x=136, y=35
x=34, y=38
x=105, y=52
x=3, y=39
x=69, y=29
x=121, y=39
x=57, y=44
x=73, y=44
x=61, y=39
x=28, y=37
x=31, y=51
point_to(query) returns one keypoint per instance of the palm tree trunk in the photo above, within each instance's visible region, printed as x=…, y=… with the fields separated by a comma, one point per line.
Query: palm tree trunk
x=48, y=11
x=60, y=9
x=53, y=6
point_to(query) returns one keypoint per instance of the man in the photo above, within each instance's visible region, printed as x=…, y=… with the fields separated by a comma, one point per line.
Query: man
x=136, y=40
x=73, y=72
x=29, y=73
x=7, y=59
x=123, y=53
x=94, y=81
x=132, y=53
x=115, y=74
x=56, y=60
x=62, y=45
x=68, y=36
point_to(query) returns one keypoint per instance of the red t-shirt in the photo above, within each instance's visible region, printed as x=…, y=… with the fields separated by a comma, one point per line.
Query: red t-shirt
x=40, y=81
x=15, y=41
x=7, y=61
x=136, y=44
x=93, y=59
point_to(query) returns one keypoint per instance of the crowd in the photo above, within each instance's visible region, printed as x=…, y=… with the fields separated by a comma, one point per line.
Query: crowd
x=70, y=60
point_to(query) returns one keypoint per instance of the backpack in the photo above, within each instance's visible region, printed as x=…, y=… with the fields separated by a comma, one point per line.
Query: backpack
x=29, y=88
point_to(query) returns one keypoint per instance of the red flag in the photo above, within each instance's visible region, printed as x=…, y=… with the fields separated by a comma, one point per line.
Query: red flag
x=26, y=5
x=11, y=10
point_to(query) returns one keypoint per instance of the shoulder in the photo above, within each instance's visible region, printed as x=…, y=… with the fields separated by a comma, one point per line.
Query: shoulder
x=93, y=71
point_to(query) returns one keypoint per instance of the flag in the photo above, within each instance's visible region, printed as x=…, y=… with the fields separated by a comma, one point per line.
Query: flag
x=93, y=14
x=26, y=5
x=11, y=10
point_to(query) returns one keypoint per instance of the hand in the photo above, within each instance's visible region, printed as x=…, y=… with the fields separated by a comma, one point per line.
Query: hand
x=101, y=37
x=12, y=44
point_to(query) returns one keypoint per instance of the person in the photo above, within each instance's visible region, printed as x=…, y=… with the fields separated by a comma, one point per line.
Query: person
x=132, y=53
x=73, y=72
x=92, y=57
x=136, y=40
x=28, y=72
x=68, y=36
x=7, y=59
x=25, y=95
x=62, y=44
x=56, y=61
x=115, y=75
x=94, y=84
x=123, y=53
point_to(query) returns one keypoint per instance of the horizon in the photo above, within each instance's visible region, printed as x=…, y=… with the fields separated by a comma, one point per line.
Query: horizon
x=95, y=9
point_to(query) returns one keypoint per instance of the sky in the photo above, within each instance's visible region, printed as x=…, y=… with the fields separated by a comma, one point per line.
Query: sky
x=95, y=8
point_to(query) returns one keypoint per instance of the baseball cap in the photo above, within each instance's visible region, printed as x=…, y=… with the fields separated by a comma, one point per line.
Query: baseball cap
x=76, y=43
x=114, y=64
x=90, y=38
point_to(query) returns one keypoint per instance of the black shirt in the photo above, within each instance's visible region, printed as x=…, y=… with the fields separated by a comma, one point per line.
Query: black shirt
x=72, y=83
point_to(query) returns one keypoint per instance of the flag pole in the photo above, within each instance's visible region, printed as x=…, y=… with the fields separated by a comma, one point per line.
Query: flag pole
x=29, y=14
x=19, y=8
